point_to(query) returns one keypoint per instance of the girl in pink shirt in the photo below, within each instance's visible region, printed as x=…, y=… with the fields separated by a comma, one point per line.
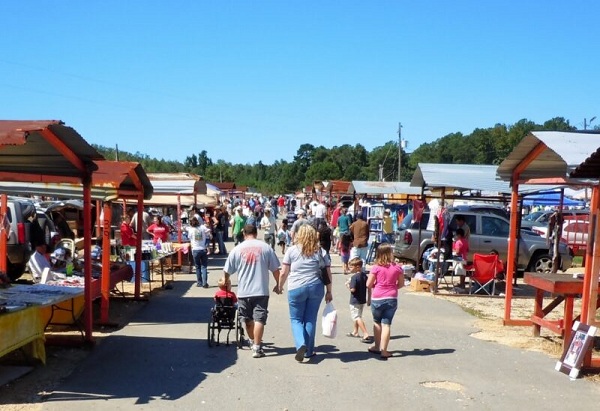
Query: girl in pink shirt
x=385, y=278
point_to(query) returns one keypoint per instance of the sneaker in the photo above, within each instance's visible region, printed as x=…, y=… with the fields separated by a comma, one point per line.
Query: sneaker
x=198, y=284
x=249, y=343
x=205, y=286
x=300, y=353
x=257, y=351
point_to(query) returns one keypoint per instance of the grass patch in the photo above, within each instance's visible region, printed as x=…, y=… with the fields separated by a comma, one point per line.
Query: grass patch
x=474, y=312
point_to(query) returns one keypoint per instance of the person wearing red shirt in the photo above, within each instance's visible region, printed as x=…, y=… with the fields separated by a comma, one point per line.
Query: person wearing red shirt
x=128, y=237
x=158, y=230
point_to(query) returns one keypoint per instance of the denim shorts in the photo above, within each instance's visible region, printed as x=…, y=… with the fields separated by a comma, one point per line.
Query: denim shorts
x=254, y=308
x=383, y=310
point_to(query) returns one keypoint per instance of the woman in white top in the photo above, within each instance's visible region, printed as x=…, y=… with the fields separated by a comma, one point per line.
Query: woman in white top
x=269, y=224
x=198, y=234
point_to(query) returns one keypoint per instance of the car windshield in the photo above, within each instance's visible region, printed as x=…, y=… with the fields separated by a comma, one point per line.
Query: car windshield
x=533, y=216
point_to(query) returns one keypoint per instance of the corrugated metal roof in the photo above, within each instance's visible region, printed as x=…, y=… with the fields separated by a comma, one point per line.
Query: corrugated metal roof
x=564, y=152
x=112, y=179
x=224, y=186
x=177, y=183
x=466, y=177
x=590, y=168
x=45, y=148
x=383, y=187
x=337, y=186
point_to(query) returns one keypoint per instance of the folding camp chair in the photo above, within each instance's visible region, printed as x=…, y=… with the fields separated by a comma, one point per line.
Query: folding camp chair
x=483, y=273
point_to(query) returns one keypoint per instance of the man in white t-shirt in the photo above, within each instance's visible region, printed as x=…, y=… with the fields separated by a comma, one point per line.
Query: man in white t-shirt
x=252, y=260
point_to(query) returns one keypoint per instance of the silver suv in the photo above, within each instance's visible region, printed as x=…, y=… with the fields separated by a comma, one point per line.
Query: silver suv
x=489, y=230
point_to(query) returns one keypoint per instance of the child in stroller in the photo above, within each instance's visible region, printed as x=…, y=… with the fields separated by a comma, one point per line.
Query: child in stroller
x=224, y=316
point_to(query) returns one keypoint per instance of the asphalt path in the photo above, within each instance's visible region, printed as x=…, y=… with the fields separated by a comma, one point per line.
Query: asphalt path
x=161, y=361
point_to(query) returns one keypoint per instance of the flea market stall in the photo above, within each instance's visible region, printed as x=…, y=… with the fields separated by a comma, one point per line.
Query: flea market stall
x=47, y=152
x=570, y=157
x=113, y=180
x=179, y=190
x=464, y=182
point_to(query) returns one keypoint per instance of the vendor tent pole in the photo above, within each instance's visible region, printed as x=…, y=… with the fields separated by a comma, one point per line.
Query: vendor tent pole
x=511, y=258
x=87, y=257
x=106, y=252
x=138, y=245
x=3, y=233
x=592, y=263
x=179, y=228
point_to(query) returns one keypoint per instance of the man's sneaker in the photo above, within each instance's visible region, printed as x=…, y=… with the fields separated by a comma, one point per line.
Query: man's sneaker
x=249, y=343
x=257, y=351
x=300, y=353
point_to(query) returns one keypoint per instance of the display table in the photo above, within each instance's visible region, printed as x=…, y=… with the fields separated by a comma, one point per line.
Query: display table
x=23, y=328
x=564, y=288
x=157, y=264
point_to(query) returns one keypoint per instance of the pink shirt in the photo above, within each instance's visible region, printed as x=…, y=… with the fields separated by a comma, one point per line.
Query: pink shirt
x=386, y=281
x=461, y=248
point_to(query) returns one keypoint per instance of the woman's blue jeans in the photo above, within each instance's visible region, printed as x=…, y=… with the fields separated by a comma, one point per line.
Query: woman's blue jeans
x=201, y=262
x=222, y=249
x=304, y=305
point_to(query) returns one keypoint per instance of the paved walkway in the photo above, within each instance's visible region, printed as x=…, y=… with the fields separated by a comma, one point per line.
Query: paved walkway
x=161, y=361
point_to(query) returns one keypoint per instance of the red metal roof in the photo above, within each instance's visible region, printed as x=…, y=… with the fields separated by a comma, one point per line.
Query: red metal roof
x=44, y=148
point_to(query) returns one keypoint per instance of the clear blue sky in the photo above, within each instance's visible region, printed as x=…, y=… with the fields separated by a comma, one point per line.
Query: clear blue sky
x=251, y=81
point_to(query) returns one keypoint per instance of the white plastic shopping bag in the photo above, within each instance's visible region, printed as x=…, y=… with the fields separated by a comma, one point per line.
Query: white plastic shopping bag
x=329, y=321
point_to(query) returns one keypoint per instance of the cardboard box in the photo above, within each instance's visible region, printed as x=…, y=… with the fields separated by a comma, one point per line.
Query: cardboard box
x=420, y=285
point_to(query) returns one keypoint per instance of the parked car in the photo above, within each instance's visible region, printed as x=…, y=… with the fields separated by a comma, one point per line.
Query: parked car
x=541, y=218
x=489, y=231
x=19, y=247
x=574, y=234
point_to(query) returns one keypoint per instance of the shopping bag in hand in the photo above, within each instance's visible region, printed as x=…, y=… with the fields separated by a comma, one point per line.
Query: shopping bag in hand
x=329, y=321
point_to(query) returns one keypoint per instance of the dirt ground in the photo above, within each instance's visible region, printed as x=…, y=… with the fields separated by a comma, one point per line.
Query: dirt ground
x=27, y=392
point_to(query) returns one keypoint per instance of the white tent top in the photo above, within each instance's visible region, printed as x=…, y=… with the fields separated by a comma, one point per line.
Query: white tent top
x=467, y=177
x=382, y=187
x=563, y=152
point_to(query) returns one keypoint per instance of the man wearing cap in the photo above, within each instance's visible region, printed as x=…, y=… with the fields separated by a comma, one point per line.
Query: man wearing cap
x=299, y=222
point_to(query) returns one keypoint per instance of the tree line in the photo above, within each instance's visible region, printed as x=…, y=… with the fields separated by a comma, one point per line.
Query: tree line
x=350, y=162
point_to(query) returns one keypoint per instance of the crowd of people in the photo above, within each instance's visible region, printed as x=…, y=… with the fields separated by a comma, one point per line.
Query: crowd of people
x=307, y=236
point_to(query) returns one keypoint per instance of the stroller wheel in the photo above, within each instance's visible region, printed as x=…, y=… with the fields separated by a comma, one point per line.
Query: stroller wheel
x=211, y=334
x=239, y=332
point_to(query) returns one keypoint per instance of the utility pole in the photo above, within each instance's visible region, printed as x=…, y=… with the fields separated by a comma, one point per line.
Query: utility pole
x=380, y=172
x=399, y=150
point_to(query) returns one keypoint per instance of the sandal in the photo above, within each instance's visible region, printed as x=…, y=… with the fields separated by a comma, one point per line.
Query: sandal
x=352, y=335
x=374, y=350
x=385, y=355
x=366, y=340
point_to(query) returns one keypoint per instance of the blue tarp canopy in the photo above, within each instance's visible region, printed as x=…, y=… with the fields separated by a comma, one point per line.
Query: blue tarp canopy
x=550, y=199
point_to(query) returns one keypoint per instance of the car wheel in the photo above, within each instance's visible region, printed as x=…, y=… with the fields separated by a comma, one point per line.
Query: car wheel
x=420, y=262
x=542, y=264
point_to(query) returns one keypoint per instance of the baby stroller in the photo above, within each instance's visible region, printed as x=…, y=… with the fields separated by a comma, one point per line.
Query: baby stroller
x=224, y=316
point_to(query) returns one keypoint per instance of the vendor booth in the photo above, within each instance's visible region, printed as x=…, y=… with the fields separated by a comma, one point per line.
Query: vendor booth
x=465, y=182
x=572, y=158
x=48, y=152
x=113, y=180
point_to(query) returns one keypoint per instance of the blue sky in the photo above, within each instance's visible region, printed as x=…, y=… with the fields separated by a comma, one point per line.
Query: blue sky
x=251, y=81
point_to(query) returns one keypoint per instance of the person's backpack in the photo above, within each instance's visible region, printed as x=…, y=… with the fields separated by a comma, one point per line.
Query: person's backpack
x=251, y=221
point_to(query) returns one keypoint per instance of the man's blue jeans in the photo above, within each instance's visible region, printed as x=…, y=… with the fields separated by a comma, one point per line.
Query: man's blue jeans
x=201, y=262
x=304, y=305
